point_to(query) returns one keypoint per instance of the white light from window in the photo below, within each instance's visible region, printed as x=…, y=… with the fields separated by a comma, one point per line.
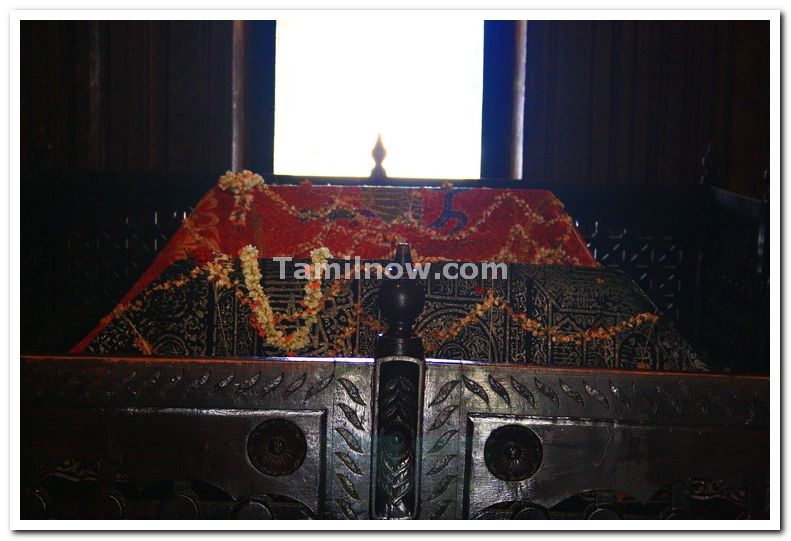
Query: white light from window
x=340, y=83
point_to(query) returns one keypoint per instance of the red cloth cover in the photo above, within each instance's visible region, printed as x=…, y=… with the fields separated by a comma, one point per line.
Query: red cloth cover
x=475, y=224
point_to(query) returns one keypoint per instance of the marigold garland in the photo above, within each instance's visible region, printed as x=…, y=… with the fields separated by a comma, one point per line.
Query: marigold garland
x=533, y=326
x=373, y=231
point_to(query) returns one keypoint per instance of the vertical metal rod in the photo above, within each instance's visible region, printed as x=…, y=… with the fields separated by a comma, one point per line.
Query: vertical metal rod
x=518, y=114
x=237, y=96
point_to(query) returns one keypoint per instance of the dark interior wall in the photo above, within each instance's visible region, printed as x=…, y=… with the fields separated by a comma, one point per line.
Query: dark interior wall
x=136, y=96
x=606, y=101
x=640, y=101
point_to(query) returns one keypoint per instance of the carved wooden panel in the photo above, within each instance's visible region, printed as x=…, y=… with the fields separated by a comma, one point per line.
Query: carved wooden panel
x=654, y=259
x=292, y=438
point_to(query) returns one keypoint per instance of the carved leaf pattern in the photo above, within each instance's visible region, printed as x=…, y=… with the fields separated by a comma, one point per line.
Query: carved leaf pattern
x=442, y=441
x=351, y=415
x=547, y=391
x=149, y=382
x=722, y=404
x=270, y=386
x=317, y=387
x=475, y=389
x=596, y=395
x=295, y=385
x=571, y=393
x=441, y=487
x=396, y=478
x=620, y=395
x=348, y=486
x=702, y=406
x=346, y=509
x=697, y=402
x=94, y=384
x=499, y=389
x=198, y=382
x=726, y=405
x=523, y=391
x=439, y=512
x=442, y=417
x=441, y=464
x=645, y=398
x=171, y=384
x=223, y=383
x=124, y=382
x=670, y=399
x=352, y=390
x=750, y=409
x=395, y=475
x=349, y=462
x=248, y=384
x=444, y=392
x=398, y=402
x=350, y=440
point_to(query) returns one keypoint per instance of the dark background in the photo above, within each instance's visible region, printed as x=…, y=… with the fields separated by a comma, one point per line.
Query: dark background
x=125, y=124
x=606, y=101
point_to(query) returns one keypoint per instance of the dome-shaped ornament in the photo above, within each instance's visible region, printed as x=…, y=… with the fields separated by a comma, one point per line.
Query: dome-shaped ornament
x=277, y=447
x=512, y=453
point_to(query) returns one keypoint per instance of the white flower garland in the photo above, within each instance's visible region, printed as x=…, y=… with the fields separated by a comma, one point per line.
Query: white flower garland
x=264, y=316
x=237, y=183
x=241, y=185
x=219, y=271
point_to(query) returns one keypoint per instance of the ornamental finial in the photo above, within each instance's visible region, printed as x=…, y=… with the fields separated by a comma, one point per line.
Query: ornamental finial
x=401, y=301
x=378, y=153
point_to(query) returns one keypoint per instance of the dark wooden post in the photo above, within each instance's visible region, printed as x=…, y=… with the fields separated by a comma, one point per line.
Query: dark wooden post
x=400, y=369
x=401, y=301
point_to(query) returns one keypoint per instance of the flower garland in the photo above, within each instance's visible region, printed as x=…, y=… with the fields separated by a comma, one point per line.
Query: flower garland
x=241, y=185
x=533, y=326
x=371, y=229
x=264, y=319
x=217, y=270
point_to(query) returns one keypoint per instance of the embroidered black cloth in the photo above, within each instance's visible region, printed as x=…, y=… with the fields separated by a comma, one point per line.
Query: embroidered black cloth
x=202, y=319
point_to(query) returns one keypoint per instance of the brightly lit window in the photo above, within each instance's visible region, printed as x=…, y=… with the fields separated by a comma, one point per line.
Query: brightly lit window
x=416, y=82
